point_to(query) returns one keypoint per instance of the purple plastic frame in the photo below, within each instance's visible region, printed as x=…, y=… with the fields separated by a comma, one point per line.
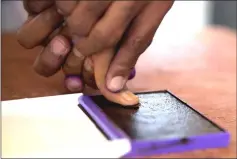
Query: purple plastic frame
x=153, y=147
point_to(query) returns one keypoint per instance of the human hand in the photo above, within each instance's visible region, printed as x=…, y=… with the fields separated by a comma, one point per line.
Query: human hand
x=45, y=28
x=52, y=55
x=56, y=46
x=126, y=25
x=96, y=33
x=89, y=49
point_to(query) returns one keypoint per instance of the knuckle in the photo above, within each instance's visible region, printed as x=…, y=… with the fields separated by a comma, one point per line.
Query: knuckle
x=102, y=37
x=78, y=27
x=135, y=43
x=105, y=38
x=73, y=23
x=135, y=47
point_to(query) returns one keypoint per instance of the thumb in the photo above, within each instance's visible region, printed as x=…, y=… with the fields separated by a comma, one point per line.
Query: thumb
x=137, y=40
x=122, y=68
x=123, y=74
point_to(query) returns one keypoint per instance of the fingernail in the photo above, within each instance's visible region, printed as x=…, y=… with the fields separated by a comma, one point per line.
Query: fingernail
x=117, y=83
x=58, y=47
x=129, y=96
x=132, y=74
x=73, y=84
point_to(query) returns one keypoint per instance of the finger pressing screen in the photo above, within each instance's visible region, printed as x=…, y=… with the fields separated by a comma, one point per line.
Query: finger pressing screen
x=135, y=42
x=49, y=61
x=102, y=61
x=35, y=30
x=109, y=29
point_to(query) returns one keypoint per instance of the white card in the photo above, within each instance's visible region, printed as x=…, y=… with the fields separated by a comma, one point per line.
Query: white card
x=53, y=127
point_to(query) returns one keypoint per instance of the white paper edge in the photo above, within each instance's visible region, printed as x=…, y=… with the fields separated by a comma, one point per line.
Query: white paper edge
x=117, y=148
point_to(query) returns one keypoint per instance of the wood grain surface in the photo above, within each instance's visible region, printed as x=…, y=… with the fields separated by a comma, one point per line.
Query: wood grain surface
x=201, y=72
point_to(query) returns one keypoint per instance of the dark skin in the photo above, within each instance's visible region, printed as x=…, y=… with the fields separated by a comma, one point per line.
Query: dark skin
x=55, y=42
x=96, y=29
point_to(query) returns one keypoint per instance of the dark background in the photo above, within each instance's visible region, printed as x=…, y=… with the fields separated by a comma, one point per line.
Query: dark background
x=224, y=13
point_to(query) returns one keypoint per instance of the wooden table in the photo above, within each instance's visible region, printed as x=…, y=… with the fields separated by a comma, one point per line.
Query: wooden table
x=201, y=72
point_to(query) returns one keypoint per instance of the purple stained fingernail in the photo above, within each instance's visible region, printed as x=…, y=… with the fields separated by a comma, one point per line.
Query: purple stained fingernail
x=74, y=83
x=132, y=74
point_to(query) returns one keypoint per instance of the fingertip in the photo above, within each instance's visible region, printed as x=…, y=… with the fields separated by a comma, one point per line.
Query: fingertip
x=74, y=83
x=60, y=45
x=49, y=61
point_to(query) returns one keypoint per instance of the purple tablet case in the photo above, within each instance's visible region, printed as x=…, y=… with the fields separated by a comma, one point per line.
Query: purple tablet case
x=162, y=124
